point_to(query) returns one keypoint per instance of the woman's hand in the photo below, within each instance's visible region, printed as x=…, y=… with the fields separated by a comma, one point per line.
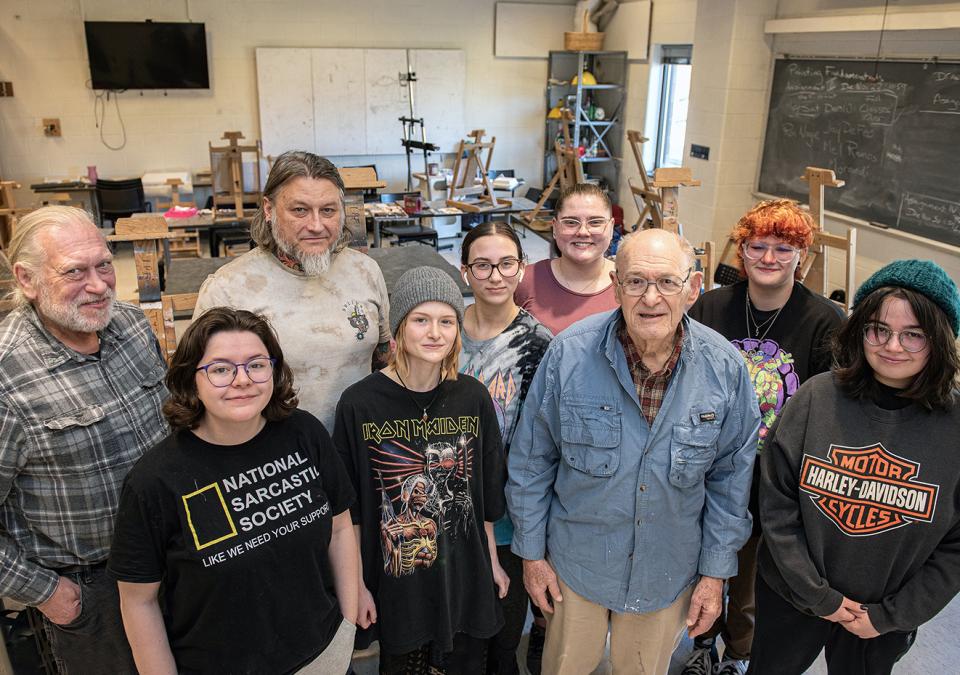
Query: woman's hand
x=500, y=578
x=847, y=612
x=367, y=613
x=862, y=627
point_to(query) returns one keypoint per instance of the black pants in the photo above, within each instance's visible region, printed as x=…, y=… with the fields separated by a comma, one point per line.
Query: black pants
x=468, y=657
x=502, y=650
x=786, y=642
x=94, y=642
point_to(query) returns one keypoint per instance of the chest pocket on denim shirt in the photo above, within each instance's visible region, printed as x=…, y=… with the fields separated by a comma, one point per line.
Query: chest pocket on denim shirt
x=693, y=448
x=590, y=435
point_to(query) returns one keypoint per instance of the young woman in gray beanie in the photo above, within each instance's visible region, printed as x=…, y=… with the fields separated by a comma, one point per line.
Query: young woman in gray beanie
x=422, y=447
x=860, y=490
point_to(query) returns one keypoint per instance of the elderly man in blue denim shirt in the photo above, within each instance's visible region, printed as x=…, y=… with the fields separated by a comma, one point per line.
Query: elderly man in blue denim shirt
x=630, y=470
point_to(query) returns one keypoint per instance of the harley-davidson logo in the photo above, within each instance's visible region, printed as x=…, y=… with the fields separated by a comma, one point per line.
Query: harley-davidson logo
x=868, y=490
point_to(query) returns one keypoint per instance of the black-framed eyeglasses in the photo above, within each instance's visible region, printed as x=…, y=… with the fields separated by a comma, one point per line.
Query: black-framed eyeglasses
x=755, y=250
x=223, y=373
x=911, y=340
x=508, y=267
x=668, y=285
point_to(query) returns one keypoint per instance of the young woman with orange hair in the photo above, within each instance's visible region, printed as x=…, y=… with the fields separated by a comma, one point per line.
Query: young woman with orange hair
x=783, y=331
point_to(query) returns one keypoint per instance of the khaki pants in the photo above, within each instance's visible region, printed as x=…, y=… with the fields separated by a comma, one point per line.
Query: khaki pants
x=639, y=643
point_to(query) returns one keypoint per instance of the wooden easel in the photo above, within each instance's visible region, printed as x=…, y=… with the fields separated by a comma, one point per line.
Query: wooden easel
x=668, y=182
x=658, y=202
x=147, y=234
x=658, y=199
x=569, y=173
x=464, y=172
x=8, y=211
x=815, y=272
x=7, y=284
x=646, y=197
x=175, y=200
x=232, y=194
x=185, y=243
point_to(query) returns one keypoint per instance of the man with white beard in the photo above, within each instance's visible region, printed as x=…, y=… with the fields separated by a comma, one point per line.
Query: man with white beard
x=328, y=303
x=81, y=392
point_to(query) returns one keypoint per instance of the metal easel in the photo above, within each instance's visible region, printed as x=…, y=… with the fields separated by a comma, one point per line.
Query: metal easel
x=410, y=125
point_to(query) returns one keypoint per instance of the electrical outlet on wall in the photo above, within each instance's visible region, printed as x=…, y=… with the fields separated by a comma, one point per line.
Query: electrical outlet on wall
x=51, y=126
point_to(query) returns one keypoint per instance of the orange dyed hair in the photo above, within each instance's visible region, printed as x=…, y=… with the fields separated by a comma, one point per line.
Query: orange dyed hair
x=780, y=218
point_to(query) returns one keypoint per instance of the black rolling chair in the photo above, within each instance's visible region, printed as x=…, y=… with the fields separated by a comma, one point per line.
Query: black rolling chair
x=411, y=229
x=120, y=198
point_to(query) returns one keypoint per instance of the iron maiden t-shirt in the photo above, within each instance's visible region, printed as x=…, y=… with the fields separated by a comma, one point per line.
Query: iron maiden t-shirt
x=424, y=489
x=238, y=536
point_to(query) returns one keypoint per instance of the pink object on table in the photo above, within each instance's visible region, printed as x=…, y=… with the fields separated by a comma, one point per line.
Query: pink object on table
x=181, y=212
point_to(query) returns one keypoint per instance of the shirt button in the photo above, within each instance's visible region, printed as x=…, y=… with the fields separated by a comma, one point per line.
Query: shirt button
x=643, y=487
x=639, y=521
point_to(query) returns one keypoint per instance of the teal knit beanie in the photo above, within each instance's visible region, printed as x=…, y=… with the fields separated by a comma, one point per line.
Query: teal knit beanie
x=923, y=276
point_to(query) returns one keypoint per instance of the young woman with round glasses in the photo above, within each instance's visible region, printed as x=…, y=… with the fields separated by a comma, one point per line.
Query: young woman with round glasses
x=241, y=517
x=502, y=347
x=576, y=284
x=860, y=491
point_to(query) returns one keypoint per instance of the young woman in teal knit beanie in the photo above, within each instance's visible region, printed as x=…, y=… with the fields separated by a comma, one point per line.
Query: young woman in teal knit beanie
x=860, y=491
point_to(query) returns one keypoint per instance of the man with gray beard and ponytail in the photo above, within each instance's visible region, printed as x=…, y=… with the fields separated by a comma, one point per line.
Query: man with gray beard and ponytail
x=81, y=390
x=328, y=303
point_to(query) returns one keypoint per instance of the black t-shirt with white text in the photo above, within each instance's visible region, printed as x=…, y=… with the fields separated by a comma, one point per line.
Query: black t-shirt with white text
x=424, y=490
x=237, y=536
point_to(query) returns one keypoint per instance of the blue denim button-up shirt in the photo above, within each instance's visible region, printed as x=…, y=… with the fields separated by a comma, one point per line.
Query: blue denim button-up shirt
x=631, y=514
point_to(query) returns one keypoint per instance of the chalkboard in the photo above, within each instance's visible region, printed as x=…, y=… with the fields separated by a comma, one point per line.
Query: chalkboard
x=890, y=130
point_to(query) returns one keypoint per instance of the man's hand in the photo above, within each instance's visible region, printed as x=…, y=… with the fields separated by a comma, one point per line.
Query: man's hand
x=705, y=605
x=847, y=612
x=366, y=608
x=541, y=583
x=64, y=605
x=862, y=626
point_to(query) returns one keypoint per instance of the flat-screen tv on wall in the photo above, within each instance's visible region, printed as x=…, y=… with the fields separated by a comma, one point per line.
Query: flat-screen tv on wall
x=147, y=55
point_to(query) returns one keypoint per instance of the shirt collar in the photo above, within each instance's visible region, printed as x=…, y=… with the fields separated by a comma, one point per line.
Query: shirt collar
x=287, y=261
x=635, y=358
x=54, y=352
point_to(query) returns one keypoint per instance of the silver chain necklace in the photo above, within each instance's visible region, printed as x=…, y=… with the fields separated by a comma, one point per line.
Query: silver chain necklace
x=748, y=312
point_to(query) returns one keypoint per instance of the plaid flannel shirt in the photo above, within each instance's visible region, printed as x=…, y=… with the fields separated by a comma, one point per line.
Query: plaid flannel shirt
x=71, y=426
x=650, y=386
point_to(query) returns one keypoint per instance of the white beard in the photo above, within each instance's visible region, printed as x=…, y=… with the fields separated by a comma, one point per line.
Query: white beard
x=70, y=317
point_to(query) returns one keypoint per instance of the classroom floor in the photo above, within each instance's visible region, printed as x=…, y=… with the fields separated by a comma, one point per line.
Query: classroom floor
x=935, y=651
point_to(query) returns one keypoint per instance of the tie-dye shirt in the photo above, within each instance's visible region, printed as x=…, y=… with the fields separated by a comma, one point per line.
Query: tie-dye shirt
x=505, y=364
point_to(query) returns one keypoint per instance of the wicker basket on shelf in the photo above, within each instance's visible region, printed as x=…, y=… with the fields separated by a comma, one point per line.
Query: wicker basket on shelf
x=582, y=41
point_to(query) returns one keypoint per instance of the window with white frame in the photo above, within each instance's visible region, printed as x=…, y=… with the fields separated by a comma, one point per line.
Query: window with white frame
x=669, y=103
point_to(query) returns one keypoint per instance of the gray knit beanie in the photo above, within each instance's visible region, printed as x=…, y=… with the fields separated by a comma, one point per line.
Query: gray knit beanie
x=423, y=284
